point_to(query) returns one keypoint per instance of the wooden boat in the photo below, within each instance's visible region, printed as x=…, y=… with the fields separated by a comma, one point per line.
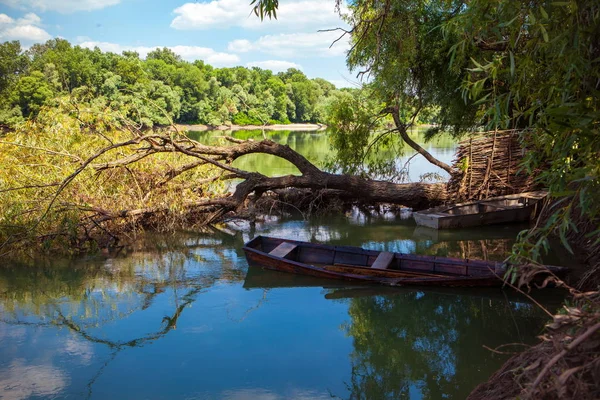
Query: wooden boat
x=369, y=266
x=496, y=210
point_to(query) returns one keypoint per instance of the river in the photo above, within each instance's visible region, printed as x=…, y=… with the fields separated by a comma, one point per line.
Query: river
x=183, y=317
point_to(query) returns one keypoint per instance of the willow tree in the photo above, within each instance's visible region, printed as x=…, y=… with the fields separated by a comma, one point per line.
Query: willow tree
x=540, y=73
x=401, y=50
x=490, y=64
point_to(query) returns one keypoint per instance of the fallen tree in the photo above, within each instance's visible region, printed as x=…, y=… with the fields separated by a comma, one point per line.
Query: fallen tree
x=162, y=180
x=254, y=185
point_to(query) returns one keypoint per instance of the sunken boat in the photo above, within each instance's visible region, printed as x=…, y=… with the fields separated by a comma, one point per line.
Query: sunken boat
x=519, y=207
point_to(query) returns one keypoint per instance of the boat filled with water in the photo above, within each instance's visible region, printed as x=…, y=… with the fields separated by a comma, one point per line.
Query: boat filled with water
x=519, y=207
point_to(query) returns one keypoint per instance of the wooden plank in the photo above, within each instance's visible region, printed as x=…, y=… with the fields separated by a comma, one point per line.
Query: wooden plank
x=315, y=255
x=342, y=257
x=382, y=273
x=283, y=249
x=448, y=268
x=383, y=260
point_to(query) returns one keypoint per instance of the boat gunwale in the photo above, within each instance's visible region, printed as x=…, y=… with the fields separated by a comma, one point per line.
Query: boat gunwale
x=359, y=250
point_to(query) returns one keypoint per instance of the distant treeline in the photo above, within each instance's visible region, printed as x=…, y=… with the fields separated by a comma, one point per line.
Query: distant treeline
x=160, y=89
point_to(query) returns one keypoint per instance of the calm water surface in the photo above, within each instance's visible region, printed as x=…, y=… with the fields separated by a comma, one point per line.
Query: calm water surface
x=185, y=318
x=315, y=146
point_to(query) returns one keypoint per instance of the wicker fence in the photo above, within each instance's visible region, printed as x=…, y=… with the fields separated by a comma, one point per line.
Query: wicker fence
x=488, y=165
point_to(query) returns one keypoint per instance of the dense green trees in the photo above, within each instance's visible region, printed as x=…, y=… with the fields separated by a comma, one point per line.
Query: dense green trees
x=161, y=89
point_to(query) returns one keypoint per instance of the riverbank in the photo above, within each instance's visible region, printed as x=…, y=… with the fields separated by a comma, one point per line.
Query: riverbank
x=275, y=127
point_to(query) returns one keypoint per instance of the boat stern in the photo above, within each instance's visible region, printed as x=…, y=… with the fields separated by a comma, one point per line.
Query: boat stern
x=426, y=219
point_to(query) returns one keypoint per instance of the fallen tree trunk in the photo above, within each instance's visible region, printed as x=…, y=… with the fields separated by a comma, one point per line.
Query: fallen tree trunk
x=413, y=195
x=240, y=203
x=153, y=201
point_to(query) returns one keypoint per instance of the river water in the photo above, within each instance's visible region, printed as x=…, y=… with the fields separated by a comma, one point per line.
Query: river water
x=184, y=317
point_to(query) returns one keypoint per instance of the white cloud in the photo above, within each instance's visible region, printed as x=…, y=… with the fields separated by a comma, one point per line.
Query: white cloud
x=25, y=29
x=116, y=48
x=274, y=65
x=291, y=15
x=29, y=19
x=209, y=55
x=287, y=45
x=189, y=53
x=240, y=46
x=6, y=20
x=25, y=33
x=61, y=6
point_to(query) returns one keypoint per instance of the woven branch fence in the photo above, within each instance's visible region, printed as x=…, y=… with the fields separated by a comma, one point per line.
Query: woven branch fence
x=488, y=165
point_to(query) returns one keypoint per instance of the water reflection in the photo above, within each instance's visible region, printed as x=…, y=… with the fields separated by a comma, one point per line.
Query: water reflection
x=416, y=343
x=22, y=381
x=420, y=343
x=315, y=146
x=99, y=308
x=427, y=345
x=184, y=317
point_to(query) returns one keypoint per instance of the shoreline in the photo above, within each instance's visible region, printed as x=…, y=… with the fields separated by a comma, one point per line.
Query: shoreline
x=275, y=127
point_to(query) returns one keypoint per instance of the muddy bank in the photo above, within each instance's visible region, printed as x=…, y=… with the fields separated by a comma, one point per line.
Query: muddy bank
x=276, y=127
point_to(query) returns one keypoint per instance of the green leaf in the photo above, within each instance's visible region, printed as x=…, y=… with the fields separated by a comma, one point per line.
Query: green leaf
x=532, y=18
x=512, y=63
x=477, y=64
x=482, y=100
x=505, y=24
x=453, y=52
x=544, y=33
x=563, y=240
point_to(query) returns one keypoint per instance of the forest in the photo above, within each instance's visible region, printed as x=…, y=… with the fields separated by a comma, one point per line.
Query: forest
x=158, y=90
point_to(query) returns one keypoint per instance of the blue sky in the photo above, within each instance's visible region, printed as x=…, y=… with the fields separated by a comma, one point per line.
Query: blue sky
x=220, y=32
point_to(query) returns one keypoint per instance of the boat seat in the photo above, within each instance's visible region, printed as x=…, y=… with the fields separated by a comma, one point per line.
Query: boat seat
x=283, y=250
x=383, y=260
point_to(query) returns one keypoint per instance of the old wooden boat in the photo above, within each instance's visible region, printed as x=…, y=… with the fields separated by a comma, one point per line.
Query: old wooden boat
x=496, y=210
x=369, y=266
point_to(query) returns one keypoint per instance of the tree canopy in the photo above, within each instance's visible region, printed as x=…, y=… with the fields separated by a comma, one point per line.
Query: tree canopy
x=160, y=89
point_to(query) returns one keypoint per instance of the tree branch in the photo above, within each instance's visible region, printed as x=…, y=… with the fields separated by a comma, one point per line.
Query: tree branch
x=404, y=134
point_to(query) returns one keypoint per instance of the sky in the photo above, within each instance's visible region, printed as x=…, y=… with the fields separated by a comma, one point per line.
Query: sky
x=223, y=33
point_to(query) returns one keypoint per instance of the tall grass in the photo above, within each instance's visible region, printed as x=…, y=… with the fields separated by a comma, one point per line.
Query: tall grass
x=54, y=194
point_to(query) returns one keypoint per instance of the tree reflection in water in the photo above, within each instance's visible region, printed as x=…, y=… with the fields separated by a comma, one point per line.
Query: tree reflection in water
x=405, y=343
x=414, y=343
x=89, y=298
x=423, y=344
